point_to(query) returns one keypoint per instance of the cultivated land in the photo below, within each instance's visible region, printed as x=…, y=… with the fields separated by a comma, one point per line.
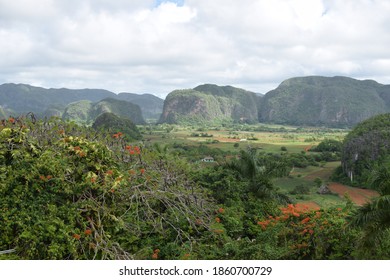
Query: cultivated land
x=277, y=139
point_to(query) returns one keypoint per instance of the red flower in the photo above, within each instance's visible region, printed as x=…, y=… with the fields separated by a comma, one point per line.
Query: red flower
x=76, y=236
x=142, y=170
x=88, y=232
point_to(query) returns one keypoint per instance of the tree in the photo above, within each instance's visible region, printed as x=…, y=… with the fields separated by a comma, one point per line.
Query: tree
x=258, y=171
x=374, y=217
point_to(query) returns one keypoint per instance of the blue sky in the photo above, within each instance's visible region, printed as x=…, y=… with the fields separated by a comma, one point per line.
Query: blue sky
x=158, y=46
x=177, y=2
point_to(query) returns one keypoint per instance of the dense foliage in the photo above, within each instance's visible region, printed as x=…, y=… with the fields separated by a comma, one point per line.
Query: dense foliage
x=70, y=192
x=315, y=100
x=117, y=126
x=365, y=147
x=85, y=112
x=210, y=103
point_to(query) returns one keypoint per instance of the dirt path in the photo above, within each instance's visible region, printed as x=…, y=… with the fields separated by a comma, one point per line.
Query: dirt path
x=358, y=195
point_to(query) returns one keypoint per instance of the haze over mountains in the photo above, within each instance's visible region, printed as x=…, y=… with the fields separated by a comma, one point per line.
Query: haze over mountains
x=20, y=99
x=313, y=100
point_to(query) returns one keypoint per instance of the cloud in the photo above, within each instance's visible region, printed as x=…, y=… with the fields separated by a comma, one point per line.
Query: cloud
x=158, y=46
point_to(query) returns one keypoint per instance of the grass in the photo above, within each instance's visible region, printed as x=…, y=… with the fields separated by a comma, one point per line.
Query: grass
x=306, y=177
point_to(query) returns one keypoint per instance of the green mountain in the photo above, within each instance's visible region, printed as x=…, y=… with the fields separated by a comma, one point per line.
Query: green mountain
x=315, y=100
x=210, y=103
x=86, y=112
x=21, y=99
x=366, y=146
x=151, y=106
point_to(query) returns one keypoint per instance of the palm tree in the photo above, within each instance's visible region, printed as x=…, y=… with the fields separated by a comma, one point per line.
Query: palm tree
x=374, y=217
x=259, y=171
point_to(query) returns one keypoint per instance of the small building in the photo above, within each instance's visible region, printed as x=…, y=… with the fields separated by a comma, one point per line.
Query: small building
x=208, y=159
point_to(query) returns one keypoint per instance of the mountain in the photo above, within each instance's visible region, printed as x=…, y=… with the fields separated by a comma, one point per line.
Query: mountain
x=328, y=101
x=86, y=112
x=210, y=103
x=21, y=99
x=151, y=106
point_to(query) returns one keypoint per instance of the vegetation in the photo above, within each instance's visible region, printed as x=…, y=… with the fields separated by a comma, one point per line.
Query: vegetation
x=22, y=99
x=101, y=192
x=210, y=103
x=85, y=112
x=323, y=101
x=117, y=126
x=365, y=147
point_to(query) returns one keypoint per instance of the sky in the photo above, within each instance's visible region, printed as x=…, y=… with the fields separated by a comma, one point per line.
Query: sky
x=157, y=46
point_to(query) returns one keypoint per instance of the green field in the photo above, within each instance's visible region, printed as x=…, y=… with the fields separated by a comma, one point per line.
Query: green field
x=268, y=139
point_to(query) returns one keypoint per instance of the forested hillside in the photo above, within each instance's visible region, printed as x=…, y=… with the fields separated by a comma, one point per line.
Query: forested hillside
x=85, y=112
x=19, y=99
x=210, y=103
x=314, y=100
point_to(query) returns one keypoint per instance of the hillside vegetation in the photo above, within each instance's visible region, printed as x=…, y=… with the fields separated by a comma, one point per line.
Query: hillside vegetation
x=210, y=103
x=366, y=147
x=19, y=99
x=85, y=112
x=314, y=101
x=323, y=101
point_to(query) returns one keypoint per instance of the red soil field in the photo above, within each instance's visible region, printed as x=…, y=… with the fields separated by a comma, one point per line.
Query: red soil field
x=358, y=195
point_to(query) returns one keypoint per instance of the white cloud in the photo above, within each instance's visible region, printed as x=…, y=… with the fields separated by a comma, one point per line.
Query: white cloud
x=158, y=46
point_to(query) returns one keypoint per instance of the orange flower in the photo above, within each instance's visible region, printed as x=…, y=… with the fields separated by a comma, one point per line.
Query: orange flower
x=109, y=172
x=117, y=135
x=305, y=220
x=48, y=177
x=142, y=170
x=43, y=178
x=76, y=236
x=88, y=232
x=221, y=210
x=11, y=120
x=93, y=179
x=155, y=254
x=77, y=148
x=218, y=220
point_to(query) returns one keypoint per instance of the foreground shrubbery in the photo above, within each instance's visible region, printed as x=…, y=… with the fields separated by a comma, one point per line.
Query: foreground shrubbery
x=66, y=196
